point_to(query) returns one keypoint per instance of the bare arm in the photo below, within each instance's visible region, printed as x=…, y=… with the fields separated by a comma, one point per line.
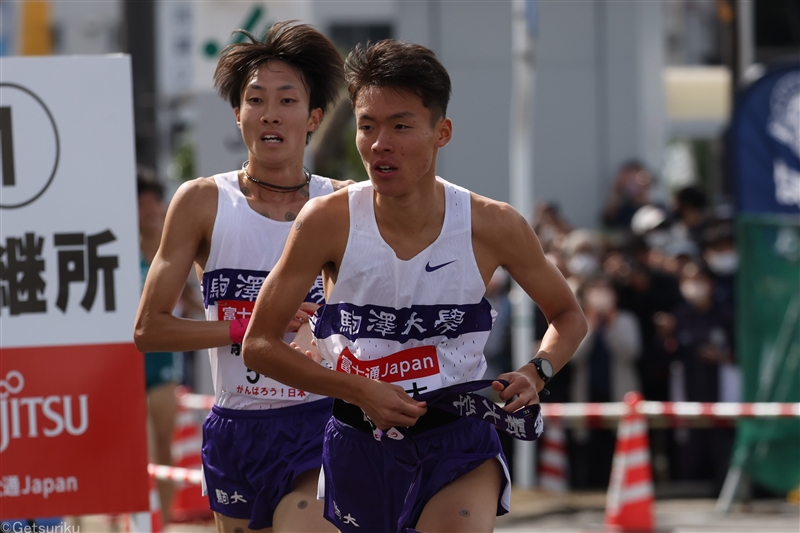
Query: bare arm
x=318, y=240
x=186, y=236
x=520, y=253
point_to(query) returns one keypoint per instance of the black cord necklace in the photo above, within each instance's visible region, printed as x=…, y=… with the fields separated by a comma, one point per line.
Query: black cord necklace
x=276, y=188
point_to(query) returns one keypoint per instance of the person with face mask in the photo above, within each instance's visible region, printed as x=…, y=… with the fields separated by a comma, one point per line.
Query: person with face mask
x=603, y=370
x=719, y=253
x=581, y=250
x=700, y=343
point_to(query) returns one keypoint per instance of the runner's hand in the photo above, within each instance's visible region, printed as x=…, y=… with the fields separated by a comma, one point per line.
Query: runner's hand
x=301, y=316
x=389, y=406
x=308, y=348
x=520, y=385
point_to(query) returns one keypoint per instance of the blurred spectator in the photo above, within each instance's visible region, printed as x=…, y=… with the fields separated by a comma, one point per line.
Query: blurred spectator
x=549, y=225
x=651, y=223
x=498, y=346
x=690, y=214
x=163, y=370
x=645, y=292
x=603, y=370
x=719, y=253
x=603, y=364
x=630, y=191
x=677, y=254
x=699, y=338
x=582, y=250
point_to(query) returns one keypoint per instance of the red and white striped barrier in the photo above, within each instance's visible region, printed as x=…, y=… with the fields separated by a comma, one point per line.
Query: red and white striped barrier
x=201, y=402
x=616, y=410
x=553, y=461
x=175, y=473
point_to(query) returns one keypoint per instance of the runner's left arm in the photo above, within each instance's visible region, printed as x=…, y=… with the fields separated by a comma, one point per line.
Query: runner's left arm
x=521, y=254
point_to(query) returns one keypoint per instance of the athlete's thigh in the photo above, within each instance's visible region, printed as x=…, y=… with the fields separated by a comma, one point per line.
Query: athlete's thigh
x=226, y=524
x=467, y=505
x=300, y=511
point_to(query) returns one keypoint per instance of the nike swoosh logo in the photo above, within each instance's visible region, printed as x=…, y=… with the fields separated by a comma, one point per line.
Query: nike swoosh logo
x=429, y=268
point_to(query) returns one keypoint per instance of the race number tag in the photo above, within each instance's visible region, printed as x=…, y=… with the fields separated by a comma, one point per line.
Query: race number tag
x=249, y=382
x=234, y=309
x=415, y=369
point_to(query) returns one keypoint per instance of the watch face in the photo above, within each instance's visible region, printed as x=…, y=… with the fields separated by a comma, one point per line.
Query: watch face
x=547, y=368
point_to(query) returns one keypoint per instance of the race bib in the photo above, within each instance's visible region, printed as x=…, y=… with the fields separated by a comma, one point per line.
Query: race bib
x=238, y=379
x=416, y=369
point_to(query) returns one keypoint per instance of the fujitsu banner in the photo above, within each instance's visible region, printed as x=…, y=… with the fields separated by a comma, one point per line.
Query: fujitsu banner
x=72, y=400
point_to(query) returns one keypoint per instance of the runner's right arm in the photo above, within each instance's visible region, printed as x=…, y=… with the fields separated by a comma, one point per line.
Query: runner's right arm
x=186, y=239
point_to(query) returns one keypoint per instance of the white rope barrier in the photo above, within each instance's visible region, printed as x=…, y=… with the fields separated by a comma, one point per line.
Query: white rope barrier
x=615, y=410
x=174, y=473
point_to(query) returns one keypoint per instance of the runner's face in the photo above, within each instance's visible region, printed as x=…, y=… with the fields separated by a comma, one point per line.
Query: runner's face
x=396, y=140
x=274, y=116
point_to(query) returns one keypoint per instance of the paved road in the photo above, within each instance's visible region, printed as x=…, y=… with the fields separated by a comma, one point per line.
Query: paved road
x=536, y=512
x=584, y=513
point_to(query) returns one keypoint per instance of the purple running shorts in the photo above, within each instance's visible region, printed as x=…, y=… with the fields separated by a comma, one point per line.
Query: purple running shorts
x=252, y=457
x=367, y=489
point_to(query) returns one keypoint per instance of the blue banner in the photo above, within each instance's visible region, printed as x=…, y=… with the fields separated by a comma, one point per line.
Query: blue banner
x=765, y=144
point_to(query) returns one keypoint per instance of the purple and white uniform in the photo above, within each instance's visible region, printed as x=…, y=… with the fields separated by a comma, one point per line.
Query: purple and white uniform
x=260, y=433
x=420, y=324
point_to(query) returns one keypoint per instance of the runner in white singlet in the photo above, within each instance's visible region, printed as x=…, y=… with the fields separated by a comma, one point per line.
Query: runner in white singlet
x=262, y=442
x=413, y=255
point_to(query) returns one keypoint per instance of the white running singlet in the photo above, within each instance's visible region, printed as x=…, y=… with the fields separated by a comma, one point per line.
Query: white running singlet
x=422, y=323
x=245, y=246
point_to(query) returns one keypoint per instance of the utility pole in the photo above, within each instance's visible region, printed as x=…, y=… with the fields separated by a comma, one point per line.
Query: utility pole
x=521, y=188
x=140, y=43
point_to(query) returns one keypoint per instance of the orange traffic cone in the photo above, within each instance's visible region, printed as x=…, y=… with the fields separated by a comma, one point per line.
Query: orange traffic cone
x=629, y=504
x=188, y=503
x=147, y=522
x=553, y=463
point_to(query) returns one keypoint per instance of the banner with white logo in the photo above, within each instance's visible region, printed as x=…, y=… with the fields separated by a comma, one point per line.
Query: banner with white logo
x=72, y=399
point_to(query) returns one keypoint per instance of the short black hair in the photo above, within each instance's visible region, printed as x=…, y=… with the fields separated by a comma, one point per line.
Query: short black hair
x=402, y=66
x=298, y=45
x=692, y=196
x=147, y=181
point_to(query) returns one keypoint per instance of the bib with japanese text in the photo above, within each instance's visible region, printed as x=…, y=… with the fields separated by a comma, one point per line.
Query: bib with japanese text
x=245, y=246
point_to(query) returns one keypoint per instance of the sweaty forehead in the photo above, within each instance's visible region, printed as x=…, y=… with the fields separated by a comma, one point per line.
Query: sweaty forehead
x=388, y=101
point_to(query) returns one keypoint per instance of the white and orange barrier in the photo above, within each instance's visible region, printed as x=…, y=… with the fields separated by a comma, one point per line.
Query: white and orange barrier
x=188, y=503
x=630, y=498
x=615, y=410
x=553, y=461
x=146, y=521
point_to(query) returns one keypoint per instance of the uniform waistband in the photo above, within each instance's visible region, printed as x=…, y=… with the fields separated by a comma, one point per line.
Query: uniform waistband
x=292, y=410
x=353, y=416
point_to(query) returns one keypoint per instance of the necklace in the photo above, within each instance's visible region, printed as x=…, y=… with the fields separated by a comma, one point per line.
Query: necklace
x=276, y=188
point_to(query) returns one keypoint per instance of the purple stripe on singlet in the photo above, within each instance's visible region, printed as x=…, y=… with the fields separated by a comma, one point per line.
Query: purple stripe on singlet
x=241, y=284
x=417, y=322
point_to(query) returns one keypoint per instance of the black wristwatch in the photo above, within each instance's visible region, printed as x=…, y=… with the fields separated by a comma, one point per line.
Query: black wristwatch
x=544, y=368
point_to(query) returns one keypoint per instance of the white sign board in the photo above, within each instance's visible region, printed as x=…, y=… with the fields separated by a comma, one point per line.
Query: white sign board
x=69, y=260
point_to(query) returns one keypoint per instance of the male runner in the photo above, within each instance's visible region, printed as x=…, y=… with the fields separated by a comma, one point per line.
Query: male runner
x=406, y=260
x=262, y=442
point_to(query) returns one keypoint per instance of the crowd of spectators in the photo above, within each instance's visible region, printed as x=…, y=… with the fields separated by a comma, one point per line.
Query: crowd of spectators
x=656, y=283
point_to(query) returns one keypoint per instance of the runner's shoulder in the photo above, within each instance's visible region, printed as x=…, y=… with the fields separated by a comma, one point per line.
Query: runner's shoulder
x=197, y=193
x=492, y=216
x=328, y=211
